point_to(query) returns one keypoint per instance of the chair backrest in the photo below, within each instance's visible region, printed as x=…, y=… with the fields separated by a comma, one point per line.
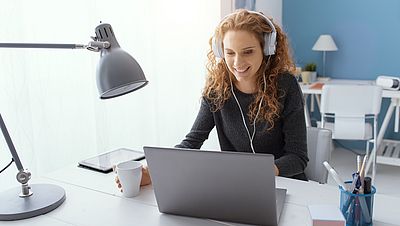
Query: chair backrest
x=319, y=144
x=351, y=100
x=349, y=105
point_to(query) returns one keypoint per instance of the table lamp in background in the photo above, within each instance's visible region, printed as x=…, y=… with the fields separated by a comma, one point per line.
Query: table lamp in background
x=118, y=73
x=324, y=43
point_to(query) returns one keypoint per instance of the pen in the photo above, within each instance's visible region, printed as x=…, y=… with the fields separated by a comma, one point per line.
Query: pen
x=367, y=185
x=358, y=163
x=364, y=209
x=362, y=174
x=348, y=211
x=362, y=170
x=335, y=175
x=365, y=202
x=355, y=184
x=357, y=211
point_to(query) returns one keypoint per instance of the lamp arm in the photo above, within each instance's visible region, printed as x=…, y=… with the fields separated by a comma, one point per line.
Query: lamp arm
x=96, y=46
x=23, y=176
x=10, y=145
x=42, y=46
x=93, y=45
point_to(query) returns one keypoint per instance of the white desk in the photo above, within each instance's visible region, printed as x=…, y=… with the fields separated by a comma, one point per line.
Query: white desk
x=387, y=157
x=93, y=199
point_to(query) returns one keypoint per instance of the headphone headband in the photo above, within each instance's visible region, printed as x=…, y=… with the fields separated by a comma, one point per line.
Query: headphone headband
x=269, y=38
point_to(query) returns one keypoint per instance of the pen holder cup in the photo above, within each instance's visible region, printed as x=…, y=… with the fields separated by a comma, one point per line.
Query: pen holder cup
x=357, y=209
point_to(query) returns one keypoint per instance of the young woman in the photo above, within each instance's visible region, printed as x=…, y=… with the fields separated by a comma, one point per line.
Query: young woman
x=251, y=95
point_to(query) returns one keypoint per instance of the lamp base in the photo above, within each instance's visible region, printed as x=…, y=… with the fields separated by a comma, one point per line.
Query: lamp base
x=45, y=198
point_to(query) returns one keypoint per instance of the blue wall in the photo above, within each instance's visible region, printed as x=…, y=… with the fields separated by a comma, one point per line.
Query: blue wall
x=367, y=33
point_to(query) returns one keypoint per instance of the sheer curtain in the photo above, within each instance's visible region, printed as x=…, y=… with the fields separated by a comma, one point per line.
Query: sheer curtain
x=49, y=99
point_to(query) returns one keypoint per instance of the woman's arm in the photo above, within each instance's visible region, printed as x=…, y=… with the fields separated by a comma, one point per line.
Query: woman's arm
x=294, y=159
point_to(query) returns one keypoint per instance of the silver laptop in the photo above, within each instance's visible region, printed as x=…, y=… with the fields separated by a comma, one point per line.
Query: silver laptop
x=226, y=186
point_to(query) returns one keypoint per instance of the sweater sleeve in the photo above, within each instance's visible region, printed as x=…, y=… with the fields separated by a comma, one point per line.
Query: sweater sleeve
x=294, y=159
x=201, y=128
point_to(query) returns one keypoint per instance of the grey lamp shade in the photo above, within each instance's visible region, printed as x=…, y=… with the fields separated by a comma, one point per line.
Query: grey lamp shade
x=118, y=73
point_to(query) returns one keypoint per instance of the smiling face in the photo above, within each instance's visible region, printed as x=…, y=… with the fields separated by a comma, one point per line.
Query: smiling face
x=243, y=56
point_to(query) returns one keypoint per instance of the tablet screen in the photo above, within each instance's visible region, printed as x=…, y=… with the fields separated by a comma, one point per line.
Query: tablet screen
x=104, y=162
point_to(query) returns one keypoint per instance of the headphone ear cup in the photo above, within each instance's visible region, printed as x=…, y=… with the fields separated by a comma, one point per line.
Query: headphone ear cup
x=270, y=43
x=216, y=46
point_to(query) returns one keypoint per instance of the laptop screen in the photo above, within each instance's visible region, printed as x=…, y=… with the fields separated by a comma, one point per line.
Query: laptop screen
x=228, y=186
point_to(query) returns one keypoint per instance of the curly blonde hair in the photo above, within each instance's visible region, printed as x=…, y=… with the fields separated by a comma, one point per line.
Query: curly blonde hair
x=218, y=87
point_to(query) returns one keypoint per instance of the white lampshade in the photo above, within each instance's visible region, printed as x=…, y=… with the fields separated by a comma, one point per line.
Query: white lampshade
x=325, y=43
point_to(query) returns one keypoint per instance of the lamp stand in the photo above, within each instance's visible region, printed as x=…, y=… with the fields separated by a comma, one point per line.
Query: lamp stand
x=46, y=198
x=22, y=202
x=323, y=63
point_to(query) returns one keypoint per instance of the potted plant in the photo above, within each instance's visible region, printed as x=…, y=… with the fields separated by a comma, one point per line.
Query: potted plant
x=310, y=73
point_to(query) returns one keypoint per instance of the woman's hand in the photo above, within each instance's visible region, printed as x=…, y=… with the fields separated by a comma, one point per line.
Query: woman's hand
x=146, y=180
x=276, y=170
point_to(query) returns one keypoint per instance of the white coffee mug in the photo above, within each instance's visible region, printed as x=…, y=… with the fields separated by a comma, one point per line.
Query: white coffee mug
x=130, y=175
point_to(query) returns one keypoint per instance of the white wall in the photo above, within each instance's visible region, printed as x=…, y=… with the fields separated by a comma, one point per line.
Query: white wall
x=49, y=100
x=271, y=8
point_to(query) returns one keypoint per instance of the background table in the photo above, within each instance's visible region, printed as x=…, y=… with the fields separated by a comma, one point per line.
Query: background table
x=384, y=157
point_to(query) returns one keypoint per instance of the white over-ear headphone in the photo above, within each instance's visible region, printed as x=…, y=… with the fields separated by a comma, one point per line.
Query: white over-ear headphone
x=269, y=39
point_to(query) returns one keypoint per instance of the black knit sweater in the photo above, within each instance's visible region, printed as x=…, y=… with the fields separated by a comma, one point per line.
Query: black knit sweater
x=286, y=140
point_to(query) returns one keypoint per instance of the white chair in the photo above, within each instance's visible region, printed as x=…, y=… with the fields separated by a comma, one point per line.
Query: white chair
x=319, y=146
x=353, y=110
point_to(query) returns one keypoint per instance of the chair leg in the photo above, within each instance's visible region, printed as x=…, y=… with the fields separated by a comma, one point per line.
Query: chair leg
x=372, y=156
x=375, y=150
x=374, y=168
x=371, y=160
x=368, y=154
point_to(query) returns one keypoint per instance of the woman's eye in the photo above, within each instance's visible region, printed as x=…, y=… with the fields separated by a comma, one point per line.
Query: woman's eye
x=248, y=52
x=230, y=53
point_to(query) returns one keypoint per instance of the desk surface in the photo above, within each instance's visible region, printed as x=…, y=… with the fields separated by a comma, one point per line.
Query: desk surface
x=93, y=199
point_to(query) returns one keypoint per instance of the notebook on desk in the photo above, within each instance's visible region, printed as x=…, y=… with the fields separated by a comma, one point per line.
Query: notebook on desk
x=317, y=85
x=226, y=186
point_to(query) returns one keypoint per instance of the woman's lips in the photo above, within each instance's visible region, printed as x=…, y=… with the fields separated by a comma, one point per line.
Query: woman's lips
x=242, y=70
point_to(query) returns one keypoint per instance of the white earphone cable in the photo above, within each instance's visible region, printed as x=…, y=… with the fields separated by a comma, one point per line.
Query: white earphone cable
x=244, y=121
x=251, y=137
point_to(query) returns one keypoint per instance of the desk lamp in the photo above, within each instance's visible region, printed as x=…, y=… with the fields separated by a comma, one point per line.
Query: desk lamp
x=117, y=74
x=324, y=43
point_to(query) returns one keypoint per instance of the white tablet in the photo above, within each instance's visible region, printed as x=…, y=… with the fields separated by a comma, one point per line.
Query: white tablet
x=104, y=162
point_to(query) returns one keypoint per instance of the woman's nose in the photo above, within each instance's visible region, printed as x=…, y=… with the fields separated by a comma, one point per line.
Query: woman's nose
x=238, y=60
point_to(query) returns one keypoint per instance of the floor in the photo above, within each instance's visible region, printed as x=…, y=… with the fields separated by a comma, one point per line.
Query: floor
x=387, y=179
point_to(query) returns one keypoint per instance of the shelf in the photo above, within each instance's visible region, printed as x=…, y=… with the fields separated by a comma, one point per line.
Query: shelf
x=389, y=153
